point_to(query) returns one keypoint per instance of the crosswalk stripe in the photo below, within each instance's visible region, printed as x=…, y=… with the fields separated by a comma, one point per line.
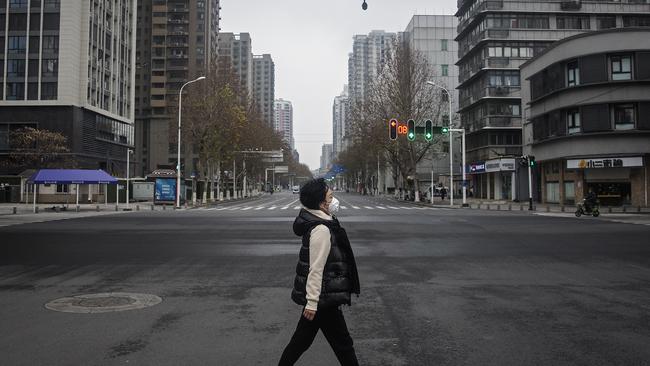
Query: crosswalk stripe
x=259, y=208
x=406, y=208
x=272, y=207
x=368, y=207
x=246, y=208
x=344, y=207
x=355, y=207
x=393, y=207
x=296, y=207
x=284, y=208
x=381, y=208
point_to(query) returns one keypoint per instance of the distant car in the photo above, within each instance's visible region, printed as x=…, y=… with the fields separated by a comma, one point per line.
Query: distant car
x=295, y=189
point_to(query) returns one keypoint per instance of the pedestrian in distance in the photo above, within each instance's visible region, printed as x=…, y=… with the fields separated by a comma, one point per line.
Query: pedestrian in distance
x=443, y=193
x=326, y=276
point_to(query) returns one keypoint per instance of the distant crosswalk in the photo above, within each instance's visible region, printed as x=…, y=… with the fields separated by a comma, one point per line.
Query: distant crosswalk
x=254, y=207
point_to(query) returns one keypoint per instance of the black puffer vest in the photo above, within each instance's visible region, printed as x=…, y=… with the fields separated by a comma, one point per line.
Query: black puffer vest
x=340, y=276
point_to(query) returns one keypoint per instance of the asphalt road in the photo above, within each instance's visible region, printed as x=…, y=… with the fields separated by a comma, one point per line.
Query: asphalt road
x=438, y=287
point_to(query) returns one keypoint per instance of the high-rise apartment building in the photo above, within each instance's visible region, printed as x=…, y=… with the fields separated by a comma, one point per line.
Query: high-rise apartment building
x=369, y=54
x=494, y=39
x=326, y=158
x=264, y=86
x=176, y=42
x=68, y=66
x=283, y=120
x=339, y=122
x=238, y=49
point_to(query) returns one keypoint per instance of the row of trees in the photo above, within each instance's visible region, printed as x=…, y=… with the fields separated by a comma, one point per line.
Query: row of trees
x=400, y=91
x=222, y=124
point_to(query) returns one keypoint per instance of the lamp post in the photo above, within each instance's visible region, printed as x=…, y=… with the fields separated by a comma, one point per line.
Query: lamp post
x=178, y=157
x=128, y=153
x=451, y=153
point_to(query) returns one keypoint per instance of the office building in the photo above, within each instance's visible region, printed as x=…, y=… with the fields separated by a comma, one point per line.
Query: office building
x=68, y=67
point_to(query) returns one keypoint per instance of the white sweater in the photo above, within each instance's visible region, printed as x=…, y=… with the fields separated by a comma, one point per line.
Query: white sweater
x=319, y=249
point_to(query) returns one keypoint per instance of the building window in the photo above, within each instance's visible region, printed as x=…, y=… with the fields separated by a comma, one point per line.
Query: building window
x=573, y=73
x=443, y=45
x=636, y=21
x=623, y=116
x=621, y=67
x=16, y=44
x=17, y=3
x=50, y=44
x=62, y=188
x=50, y=67
x=445, y=70
x=48, y=91
x=573, y=22
x=15, y=68
x=15, y=91
x=573, y=121
x=606, y=22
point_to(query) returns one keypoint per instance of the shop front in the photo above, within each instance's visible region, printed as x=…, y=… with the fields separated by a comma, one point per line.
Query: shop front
x=493, y=179
x=616, y=181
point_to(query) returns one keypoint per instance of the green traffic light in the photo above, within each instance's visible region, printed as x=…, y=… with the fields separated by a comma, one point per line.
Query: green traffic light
x=445, y=130
x=428, y=136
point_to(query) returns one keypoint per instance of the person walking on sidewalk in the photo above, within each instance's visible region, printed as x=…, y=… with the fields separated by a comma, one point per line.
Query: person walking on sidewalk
x=326, y=276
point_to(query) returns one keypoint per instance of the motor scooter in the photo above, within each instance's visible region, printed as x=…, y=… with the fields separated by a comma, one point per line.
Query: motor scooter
x=582, y=210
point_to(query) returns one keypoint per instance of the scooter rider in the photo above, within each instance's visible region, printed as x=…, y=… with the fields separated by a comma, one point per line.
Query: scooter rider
x=591, y=200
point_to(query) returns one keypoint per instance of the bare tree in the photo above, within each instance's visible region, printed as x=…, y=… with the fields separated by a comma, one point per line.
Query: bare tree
x=33, y=148
x=400, y=91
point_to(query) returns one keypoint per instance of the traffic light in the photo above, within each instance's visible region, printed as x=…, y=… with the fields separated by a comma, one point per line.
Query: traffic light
x=444, y=130
x=531, y=161
x=392, y=128
x=411, y=130
x=428, y=130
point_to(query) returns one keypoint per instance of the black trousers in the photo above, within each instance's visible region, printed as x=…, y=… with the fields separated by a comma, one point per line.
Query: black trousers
x=332, y=323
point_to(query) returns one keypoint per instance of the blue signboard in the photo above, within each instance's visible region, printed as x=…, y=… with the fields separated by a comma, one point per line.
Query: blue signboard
x=165, y=190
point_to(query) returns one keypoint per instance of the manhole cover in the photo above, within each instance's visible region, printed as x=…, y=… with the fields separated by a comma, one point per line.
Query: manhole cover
x=103, y=303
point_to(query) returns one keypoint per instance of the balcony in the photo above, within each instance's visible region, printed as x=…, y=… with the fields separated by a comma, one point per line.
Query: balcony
x=494, y=122
x=571, y=5
x=484, y=6
x=491, y=92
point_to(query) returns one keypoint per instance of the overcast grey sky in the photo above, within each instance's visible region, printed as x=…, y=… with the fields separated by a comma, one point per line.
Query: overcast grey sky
x=309, y=42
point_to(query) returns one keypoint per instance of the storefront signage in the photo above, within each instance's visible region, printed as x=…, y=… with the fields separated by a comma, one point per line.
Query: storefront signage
x=604, y=163
x=477, y=168
x=500, y=165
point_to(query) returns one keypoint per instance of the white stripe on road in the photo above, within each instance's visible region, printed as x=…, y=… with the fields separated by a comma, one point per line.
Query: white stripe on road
x=344, y=207
x=259, y=208
x=296, y=207
x=393, y=207
x=247, y=208
x=381, y=208
x=272, y=207
x=355, y=207
x=368, y=207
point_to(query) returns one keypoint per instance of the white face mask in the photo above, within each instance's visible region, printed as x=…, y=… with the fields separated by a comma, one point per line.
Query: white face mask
x=334, y=206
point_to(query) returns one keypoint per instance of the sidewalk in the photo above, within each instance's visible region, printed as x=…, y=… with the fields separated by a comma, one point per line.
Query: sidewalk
x=504, y=205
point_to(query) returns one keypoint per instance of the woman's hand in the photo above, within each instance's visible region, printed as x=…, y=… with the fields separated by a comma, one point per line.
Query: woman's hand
x=309, y=314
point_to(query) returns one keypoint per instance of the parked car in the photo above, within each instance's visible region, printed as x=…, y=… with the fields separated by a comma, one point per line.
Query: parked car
x=295, y=189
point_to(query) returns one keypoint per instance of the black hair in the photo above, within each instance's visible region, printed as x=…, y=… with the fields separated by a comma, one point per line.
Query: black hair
x=313, y=193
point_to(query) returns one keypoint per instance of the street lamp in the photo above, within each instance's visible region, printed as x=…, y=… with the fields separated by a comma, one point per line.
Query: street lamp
x=451, y=153
x=178, y=158
x=128, y=170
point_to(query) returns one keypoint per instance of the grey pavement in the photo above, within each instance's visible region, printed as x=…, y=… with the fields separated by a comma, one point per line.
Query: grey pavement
x=439, y=287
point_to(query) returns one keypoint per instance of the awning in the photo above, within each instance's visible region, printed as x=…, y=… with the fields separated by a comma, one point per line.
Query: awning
x=71, y=176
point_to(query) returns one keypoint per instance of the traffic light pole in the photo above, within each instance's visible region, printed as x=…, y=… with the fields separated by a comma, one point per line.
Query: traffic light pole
x=530, y=184
x=462, y=130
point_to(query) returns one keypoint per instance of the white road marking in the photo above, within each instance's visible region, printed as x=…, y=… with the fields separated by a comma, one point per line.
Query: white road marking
x=296, y=207
x=355, y=207
x=368, y=207
x=393, y=207
x=272, y=207
x=247, y=208
x=381, y=208
x=259, y=208
x=344, y=207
